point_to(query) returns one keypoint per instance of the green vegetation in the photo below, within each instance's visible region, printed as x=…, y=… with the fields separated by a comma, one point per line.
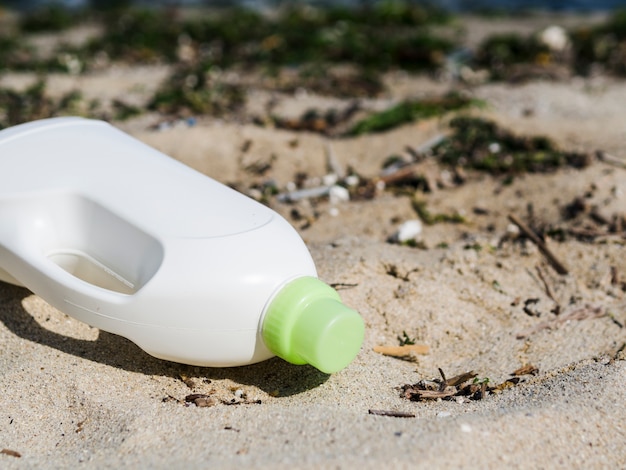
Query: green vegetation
x=499, y=52
x=393, y=34
x=480, y=144
x=316, y=43
x=410, y=111
x=318, y=78
x=604, y=44
x=197, y=90
x=137, y=35
x=33, y=103
x=388, y=34
x=419, y=206
x=14, y=54
x=405, y=339
x=52, y=17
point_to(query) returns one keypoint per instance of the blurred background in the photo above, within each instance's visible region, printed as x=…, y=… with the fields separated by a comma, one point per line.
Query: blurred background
x=205, y=58
x=454, y=5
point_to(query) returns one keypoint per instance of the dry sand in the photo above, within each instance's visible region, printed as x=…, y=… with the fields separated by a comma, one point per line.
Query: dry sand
x=73, y=395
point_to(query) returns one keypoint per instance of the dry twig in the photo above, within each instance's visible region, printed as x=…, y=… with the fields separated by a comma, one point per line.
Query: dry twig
x=551, y=257
x=402, y=351
x=393, y=414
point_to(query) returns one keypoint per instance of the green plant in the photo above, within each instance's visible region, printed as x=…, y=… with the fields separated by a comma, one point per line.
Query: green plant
x=410, y=111
x=419, y=206
x=52, y=17
x=197, y=89
x=405, y=339
x=33, y=103
x=481, y=144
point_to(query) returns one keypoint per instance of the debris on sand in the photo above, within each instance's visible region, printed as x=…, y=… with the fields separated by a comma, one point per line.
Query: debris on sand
x=460, y=386
x=481, y=144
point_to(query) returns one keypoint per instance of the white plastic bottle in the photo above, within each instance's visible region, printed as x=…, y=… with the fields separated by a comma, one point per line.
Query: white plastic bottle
x=129, y=240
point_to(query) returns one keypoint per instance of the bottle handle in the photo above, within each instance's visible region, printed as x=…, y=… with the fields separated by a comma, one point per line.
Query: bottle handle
x=51, y=281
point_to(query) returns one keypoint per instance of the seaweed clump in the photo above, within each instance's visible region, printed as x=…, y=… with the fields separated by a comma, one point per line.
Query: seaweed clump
x=198, y=89
x=502, y=52
x=410, y=111
x=390, y=34
x=603, y=45
x=481, y=144
x=33, y=103
x=53, y=17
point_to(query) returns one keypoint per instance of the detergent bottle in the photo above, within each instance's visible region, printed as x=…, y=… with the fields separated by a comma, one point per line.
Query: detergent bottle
x=131, y=241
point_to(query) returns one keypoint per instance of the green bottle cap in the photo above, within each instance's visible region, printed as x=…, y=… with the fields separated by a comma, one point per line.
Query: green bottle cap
x=306, y=323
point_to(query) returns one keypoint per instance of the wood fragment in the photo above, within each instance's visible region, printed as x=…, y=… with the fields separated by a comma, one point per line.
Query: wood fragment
x=509, y=383
x=434, y=394
x=610, y=159
x=342, y=285
x=459, y=379
x=551, y=257
x=12, y=453
x=528, y=369
x=453, y=387
x=402, y=351
x=187, y=380
x=443, y=377
x=393, y=414
x=200, y=400
x=399, y=175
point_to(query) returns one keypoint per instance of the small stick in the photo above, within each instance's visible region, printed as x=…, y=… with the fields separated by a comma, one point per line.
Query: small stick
x=401, y=174
x=342, y=285
x=459, y=379
x=418, y=153
x=556, y=264
x=12, y=453
x=610, y=159
x=393, y=414
x=401, y=351
x=546, y=286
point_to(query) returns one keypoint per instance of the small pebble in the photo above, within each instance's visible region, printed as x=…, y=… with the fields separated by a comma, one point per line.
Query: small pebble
x=495, y=147
x=352, y=180
x=409, y=230
x=443, y=414
x=338, y=194
x=555, y=37
x=330, y=179
x=512, y=229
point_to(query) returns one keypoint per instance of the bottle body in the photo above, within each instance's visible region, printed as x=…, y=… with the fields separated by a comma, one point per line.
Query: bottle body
x=133, y=242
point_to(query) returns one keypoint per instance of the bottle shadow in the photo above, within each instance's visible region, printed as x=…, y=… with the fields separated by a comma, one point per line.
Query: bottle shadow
x=271, y=376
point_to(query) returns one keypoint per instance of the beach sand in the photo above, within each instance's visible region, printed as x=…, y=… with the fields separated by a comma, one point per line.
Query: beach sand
x=73, y=395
